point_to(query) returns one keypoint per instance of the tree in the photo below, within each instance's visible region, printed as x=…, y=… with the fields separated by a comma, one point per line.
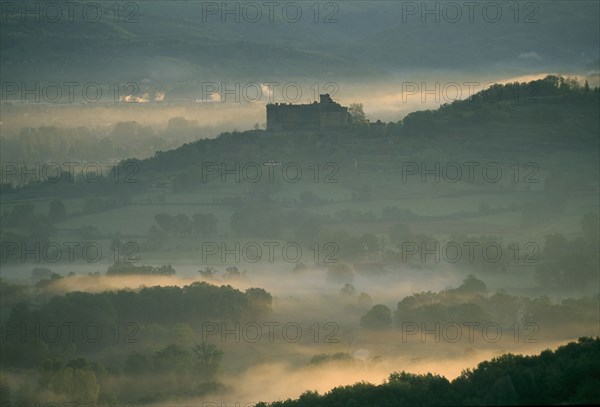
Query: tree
x=232, y=273
x=137, y=363
x=76, y=385
x=566, y=376
x=357, y=115
x=166, y=222
x=39, y=273
x=172, y=359
x=503, y=392
x=208, y=272
x=208, y=358
x=378, y=317
x=472, y=284
x=259, y=300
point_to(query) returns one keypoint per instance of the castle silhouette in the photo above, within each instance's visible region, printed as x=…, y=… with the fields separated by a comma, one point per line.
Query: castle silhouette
x=326, y=114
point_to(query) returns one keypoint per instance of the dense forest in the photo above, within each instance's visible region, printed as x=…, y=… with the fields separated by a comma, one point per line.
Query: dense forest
x=568, y=375
x=158, y=333
x=143, y=335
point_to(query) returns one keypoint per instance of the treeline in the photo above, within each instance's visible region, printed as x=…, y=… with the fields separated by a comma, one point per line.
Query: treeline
x=568, y=375
x=25, y=232
x=131, y=269
x=173, y=370
x=543, y=101
x=112, y=347
x=471, y=302
x=571, y=263
x=97, y=145
x=161, y=306
x=28, y=223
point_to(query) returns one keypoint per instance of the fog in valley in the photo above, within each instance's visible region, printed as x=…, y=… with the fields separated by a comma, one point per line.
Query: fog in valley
x=335, y=203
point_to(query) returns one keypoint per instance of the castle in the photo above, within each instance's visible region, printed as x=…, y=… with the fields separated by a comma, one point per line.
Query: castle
x=326, y=114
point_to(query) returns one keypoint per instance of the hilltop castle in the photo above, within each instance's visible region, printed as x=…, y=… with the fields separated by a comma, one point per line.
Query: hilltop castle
x=326, y=114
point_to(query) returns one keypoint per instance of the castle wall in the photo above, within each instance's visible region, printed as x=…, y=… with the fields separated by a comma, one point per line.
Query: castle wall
x=293, y=117
x=315, y=116
x=333, y=119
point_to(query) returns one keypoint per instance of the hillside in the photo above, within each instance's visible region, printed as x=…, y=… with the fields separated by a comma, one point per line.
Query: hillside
x=174, y=43
x=568, y=375
x=527, y=121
